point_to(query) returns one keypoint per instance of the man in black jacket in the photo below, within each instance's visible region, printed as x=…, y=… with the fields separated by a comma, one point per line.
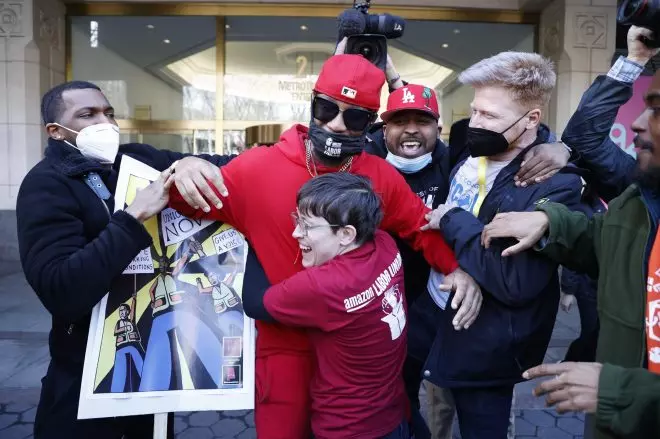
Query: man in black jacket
x=72, y=246
x=482, y=363
x=409, y=140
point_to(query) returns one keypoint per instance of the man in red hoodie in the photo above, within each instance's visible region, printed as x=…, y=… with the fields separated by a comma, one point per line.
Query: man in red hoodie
x=259, y=189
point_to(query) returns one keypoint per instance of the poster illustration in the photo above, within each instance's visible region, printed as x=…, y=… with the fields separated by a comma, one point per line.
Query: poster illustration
x=171, y=334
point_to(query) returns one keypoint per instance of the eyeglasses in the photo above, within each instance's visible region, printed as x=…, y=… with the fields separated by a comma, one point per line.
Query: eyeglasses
x=305, y=228
x=355, y=119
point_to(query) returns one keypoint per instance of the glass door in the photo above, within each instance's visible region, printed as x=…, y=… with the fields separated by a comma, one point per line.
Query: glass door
x=192, y=137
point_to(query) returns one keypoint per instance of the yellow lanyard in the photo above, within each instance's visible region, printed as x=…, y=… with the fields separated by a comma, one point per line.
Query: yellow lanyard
x=482, y=167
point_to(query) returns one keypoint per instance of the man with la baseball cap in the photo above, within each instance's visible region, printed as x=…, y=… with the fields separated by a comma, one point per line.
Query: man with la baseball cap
x=256, y=193
x=409, y=140
x=412, y=97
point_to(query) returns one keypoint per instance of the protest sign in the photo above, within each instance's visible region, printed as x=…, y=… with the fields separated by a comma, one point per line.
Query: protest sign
x=171, y=334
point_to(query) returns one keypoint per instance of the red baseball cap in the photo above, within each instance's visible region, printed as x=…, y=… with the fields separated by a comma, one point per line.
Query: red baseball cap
x=351, y=79
x=412, y=97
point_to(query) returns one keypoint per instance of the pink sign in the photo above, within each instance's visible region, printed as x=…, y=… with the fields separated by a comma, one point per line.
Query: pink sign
x=621, y=134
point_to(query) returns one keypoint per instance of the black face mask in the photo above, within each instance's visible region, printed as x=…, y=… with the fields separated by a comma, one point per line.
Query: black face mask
x=335, y=146
x=485, y=143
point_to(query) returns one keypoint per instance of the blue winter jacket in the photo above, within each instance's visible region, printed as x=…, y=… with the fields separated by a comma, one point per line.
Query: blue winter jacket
x=521, y=292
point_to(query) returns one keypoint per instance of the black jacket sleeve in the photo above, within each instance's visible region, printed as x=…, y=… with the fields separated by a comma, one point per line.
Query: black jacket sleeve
x=69, y=273
x=588, y=134
x=513, y=280
x=254, y=288
x=161, y=159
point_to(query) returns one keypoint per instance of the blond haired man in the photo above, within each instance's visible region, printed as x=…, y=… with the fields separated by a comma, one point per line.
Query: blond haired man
x=481, y=364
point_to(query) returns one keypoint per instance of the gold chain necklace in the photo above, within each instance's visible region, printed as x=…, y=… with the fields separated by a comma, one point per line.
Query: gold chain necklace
x=308, y=159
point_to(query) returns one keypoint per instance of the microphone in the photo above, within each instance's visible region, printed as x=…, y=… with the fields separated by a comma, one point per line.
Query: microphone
x=391, y=26
x=350, y=22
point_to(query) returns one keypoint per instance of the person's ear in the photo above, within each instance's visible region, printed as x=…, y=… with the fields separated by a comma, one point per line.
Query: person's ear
x=534, y=119
x=54, y=131
x=347, y=235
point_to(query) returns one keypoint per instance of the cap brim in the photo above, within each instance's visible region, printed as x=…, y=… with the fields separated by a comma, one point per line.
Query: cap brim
x=386, y=116
x=345, y=100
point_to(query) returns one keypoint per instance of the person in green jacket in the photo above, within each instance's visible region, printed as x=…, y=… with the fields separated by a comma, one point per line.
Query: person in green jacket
x=621, y=248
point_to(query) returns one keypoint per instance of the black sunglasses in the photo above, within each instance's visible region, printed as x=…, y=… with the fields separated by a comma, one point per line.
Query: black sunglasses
x=355, y=119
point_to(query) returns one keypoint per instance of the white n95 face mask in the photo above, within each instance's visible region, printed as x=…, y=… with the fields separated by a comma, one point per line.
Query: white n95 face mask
x=98, y=142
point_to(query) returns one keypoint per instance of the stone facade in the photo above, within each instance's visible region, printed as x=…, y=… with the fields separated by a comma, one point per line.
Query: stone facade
x=580, y=37
x=31, y=61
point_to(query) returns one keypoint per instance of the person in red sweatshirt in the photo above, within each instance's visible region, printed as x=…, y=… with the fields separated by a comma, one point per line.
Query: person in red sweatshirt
x=259, y=190
x=351, y=300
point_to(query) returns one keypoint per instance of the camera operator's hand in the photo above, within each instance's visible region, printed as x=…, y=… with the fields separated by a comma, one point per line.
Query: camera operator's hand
x=638, y=51
x=341, y=47
x=392, y=76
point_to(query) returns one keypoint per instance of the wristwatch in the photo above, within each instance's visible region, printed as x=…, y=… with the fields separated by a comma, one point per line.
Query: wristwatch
x=390, y=84
x=393, y=80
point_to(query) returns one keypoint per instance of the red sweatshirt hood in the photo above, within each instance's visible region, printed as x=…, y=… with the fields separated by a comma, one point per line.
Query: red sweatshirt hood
x=292, y=145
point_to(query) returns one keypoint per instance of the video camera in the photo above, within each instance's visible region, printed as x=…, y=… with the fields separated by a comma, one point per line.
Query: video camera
x=642, y=13
x=368, y=33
